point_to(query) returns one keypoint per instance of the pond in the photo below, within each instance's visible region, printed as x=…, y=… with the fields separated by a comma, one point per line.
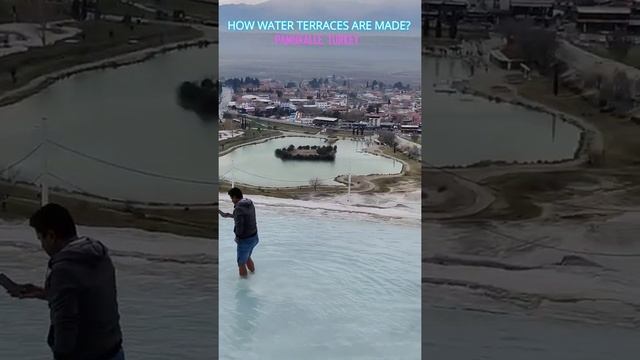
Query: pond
x=128, y=117
x=257, y=164
x=328, y=285
x=462, y=129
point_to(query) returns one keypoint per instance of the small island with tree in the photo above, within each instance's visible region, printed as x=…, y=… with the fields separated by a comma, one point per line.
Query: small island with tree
x=200, y=98
x=306, y=152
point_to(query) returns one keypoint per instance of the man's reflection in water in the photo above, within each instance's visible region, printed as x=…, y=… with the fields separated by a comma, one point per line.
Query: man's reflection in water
x=247, y=311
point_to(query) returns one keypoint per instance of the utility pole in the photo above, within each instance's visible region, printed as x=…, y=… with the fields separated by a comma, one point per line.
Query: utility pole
x=43, y=24
x=233, y=182
x=555, y=79
x=44, y=186
x=349, y=189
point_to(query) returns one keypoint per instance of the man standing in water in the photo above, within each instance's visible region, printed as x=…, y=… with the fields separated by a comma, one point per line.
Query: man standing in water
x=80, y=288
x=245, y=229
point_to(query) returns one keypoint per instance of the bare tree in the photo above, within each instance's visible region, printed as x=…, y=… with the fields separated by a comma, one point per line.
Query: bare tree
x=592, y=80
x=606, y=93
x=315, y=182
x=414, y=152
x=388, y=138
x=43, y=22
x=621, y=86
x=636, y=86
x=619, y=44
x=536, y=46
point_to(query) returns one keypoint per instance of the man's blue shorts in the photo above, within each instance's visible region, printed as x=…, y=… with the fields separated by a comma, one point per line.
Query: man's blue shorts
x=245, y=248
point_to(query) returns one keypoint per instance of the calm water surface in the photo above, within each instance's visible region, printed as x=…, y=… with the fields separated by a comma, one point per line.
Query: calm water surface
x=128, y=116
x=257, y=164
x=327, y=286
x=462, y=130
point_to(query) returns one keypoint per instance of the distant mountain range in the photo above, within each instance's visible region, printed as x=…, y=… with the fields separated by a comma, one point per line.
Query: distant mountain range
x=323, y=10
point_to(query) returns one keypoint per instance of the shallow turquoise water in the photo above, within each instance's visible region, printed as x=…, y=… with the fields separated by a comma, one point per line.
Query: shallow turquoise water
x=327, y=286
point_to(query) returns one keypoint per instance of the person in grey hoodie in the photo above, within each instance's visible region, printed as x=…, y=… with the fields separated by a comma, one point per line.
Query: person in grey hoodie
x=80, y=288
x=245, y=229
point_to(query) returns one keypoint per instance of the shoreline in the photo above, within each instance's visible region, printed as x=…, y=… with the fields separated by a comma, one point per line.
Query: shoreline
x=341, y=182
x=474, y=180
x=91, y=210
x=589, y=141
x=393, y=211
x=42, y=82
x=188, y=219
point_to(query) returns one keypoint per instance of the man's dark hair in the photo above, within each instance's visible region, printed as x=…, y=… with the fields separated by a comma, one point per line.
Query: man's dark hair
x=53, y=217
x=235, y=193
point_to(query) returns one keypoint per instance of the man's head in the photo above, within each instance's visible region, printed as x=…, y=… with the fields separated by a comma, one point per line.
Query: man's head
x=235, y=194
x=54, y=226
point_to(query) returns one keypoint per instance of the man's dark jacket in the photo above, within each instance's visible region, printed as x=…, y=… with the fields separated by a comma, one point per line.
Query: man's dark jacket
x=244, y=215
x=81, y=291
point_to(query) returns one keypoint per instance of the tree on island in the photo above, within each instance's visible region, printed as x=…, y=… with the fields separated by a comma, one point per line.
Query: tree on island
x=202, y=99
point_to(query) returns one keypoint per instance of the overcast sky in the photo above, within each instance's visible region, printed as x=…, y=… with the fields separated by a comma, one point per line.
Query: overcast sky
x=368, y=2
x=224, y=2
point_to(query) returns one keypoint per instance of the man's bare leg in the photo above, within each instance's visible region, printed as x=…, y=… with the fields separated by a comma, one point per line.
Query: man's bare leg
x=250, y=265
x=242, y=270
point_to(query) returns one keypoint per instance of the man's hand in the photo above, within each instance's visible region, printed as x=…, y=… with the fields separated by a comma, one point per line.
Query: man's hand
x=28, y=291
x=224, y=214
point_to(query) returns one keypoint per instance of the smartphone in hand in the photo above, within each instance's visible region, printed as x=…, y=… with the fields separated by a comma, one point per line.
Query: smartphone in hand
x=9, y=285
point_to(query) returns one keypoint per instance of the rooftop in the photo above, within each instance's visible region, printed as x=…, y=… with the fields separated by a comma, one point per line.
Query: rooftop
x=532, y=3
x=603, y=10
x=323, y=118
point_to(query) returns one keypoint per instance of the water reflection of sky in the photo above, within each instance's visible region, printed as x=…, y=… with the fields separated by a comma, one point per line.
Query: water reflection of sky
x=128, y=116
x=462, y=129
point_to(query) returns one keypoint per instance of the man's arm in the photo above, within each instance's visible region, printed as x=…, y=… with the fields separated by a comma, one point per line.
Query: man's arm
x=30, y=291
x=27, y=291
x=65, y=316
x=224, y=214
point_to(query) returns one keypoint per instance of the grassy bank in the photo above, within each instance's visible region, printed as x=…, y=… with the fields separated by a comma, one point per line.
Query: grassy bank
x=97, y=45
x=198, y=221
x=250, y=136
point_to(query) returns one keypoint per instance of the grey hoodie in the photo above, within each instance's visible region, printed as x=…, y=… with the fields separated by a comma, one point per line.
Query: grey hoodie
x=81, y=291
x=244, y=216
